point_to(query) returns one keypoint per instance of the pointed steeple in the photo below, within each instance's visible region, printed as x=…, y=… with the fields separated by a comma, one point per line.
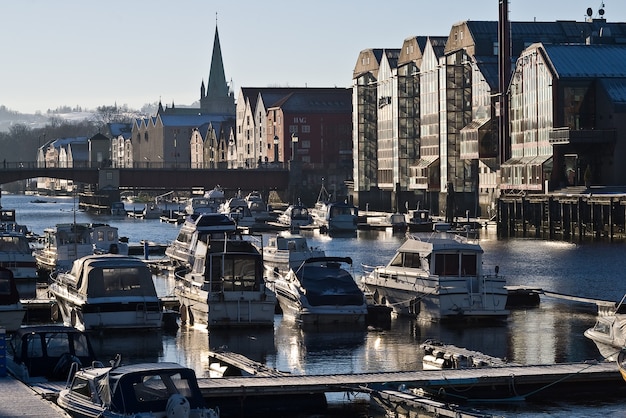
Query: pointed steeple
x=216, y=85
x=202, y=90
x=218, y=98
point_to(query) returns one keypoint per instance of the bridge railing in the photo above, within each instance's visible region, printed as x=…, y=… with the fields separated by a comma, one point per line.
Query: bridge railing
x=19, y=165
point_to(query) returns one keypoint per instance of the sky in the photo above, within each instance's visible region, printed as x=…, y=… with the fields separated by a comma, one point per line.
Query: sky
x=91, y=53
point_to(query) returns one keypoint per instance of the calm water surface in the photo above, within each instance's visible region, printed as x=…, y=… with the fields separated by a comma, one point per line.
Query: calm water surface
x=552, y=333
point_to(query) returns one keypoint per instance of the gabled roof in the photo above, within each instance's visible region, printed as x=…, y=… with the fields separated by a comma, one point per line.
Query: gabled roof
x=587, y=61
x=191, y=120
x=322, y=100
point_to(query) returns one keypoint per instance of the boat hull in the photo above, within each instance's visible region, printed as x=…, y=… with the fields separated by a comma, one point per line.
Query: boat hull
x=439, y=298
x=122, y=314
x=225, y=309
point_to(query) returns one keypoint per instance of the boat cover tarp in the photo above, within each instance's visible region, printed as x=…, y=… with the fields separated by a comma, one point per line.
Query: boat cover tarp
x=329, y=285
x=111, y=275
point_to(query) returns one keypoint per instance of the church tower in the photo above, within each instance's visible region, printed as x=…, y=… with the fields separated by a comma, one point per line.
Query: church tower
x=218, y=99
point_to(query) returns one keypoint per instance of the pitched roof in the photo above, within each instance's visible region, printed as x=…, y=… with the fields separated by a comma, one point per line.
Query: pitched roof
x=587, y=61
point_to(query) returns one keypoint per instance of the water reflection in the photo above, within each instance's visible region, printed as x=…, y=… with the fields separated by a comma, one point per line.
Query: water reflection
x=133, y=346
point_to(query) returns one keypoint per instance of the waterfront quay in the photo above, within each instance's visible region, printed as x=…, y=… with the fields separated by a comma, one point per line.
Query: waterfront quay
x=575, y=213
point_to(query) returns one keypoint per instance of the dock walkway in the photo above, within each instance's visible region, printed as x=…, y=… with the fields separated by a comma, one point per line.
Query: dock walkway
x=18, y=400
x=525, y=381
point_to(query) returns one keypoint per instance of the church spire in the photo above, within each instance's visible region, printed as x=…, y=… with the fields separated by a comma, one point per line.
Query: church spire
x=218, y=98
x=216, y=84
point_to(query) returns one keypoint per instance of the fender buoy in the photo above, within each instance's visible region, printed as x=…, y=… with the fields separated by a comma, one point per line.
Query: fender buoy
x=183, y=313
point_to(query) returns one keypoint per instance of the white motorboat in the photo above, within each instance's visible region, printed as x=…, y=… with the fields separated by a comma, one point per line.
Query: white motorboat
x=147, y=390
x=332, y=216
x=17, y=256
x=225, y=287
x=439, y=279
x=209, y=202
x=197, y=228
x=11, y=309
x=286, y=251
x=107, y=291
x=70, y=241
x=45, y=353
x=238, y=210
x=320, y=292
x=258, y=207
x=295, y=217
x=609, y=331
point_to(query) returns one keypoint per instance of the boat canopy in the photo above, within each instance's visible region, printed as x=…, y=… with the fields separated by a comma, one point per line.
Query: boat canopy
x=111, y=275
x=146, y=387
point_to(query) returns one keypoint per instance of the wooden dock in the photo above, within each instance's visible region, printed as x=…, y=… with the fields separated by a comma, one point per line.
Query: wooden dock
x=509, y=382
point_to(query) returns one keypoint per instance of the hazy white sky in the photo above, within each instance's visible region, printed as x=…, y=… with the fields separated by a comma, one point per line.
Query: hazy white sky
x=89, y=53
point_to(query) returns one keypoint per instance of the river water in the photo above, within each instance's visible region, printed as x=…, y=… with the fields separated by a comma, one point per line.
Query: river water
x=550, y=333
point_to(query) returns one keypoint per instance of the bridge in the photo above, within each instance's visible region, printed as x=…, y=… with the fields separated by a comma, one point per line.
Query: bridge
x=271, y=177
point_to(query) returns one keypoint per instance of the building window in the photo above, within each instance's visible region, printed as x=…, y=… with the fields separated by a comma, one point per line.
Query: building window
x=306, y=129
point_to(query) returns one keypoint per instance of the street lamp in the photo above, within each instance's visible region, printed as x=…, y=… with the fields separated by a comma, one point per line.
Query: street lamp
x=294, y=145
x=276, y=148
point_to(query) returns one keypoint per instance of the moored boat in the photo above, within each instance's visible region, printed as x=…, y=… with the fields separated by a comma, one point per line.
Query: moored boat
x=439, y=279
x=608, y=333
x=331, y=216
x=225, y=287
x=137, y=390
x=17, y=256
x=43, y=353
x=197, y=228
x=107, y=292
x=420, y=221
x=286, y=251
x=67, y=242
x=321, y=292
x=295, y=217
x=11, y=309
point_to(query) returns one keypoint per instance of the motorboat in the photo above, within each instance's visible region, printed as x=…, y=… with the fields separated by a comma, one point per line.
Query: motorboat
x=420, y=221
x=12, y=311
x=118, y=209
x=108, y=291
x=17, y=256
x=67, y=242
x=225, y=286
x=209, y=202
x=150, y=210
x=258, y=207
x=295, y=217
x=197, y=228
x=321, y=292
x=609, y=331
x=286, y=251
x=332, y=216
x=163, y=389
x=201, y=204
x=394, y=221
x=440, y=278
x=44, y=353
x=238, y=210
